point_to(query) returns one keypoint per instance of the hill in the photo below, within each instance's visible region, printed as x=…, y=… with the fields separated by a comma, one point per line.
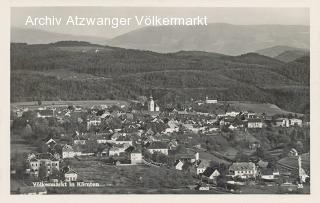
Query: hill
x=34, y=36
x=84, y=71
x=216, y=37
x=275, y=51
x=292, y=55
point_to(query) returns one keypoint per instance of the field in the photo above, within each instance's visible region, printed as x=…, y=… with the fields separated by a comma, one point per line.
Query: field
x=269, y=109
x=84, y=103
x=130, y=179
x=19, y=145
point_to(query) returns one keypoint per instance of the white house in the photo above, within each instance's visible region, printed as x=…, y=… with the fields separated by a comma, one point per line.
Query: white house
x=255, y=123
x=232, y=113
x=158, y=147
x=283, y=122
x=116, y=151
x=178, y=165
x=295, y=122
x=243, y=170
x=210, y=173
x=269, y=174
x=68, y=152
x=211, y=101
x=204, y=164
x=70, y=176
x=136, y=157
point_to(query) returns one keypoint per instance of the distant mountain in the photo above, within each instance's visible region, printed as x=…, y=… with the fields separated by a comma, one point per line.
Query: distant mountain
x=275, y=51
x=292, y=55
x=34, y=36
x=77, y=71
x=216, y=37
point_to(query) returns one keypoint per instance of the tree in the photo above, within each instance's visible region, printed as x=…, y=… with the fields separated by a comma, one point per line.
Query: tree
x=43, y=172
x=55, y=173
x=241, y=157
x=261, y=153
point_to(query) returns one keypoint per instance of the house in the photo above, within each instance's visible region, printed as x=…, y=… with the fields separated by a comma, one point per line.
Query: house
x=255, y=123
x=202, y=188
x=45, y=113
x=293, y=152
x=189, y=156
x=113, y=151
x=251, y=115
x=158, y=147
x=136, y=157
x=173, y=127
x=105, y=152
x=115, y=136
x=210, y=174
x=211, y=101
x=232, y=113
x=178, y=165
x=51, y=143
x=226, y=121
x=94, y=121
x=204, y=164
x=282, y=122
x=70, y=176
x=123, y=140
x=79, y=141
x=42, y=159
x=69, y=152
x=157, y=108
x=269, y=174
x=232, y=127
x=295, y=122
x=254, y=145
x=243, y=170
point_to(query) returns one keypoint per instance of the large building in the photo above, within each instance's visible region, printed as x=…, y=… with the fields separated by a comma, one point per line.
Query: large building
x=152, y=106
x=243, y=170
x=44, y=159
x=159, y=147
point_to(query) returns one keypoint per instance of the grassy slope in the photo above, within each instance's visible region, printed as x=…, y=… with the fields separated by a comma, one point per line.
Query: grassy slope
x=47, y=72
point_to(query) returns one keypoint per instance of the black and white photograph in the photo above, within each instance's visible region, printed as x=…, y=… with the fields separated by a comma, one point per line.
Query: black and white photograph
x=159, y=100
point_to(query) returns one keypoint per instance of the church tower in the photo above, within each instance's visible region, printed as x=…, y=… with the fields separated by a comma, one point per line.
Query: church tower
x=151, y=104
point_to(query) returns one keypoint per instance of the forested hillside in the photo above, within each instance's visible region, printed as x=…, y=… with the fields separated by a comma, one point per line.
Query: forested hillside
x=83, y=71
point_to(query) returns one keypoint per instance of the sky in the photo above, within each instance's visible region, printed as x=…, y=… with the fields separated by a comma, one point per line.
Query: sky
x=238, y=16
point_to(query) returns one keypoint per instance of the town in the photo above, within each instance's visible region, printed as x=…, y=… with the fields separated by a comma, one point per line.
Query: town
x=203, y=146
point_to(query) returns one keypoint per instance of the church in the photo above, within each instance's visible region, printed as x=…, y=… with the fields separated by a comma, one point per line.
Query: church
x=152, y=106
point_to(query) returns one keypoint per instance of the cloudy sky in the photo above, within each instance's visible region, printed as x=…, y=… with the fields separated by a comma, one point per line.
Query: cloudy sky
x=241, y=16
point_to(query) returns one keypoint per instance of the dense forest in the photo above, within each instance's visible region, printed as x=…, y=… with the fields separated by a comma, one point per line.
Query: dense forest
x=83, y=71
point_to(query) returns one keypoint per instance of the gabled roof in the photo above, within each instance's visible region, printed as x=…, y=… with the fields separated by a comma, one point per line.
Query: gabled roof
x=204, y=164
x=242, y=166
x=178, y=162
x=266, y=171
x=46, y=156
x=70, y=171
x=254, y=120
x=209, y=171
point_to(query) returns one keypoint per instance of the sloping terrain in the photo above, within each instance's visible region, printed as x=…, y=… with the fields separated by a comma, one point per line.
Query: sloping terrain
x=84, y=71
x=215, y=37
